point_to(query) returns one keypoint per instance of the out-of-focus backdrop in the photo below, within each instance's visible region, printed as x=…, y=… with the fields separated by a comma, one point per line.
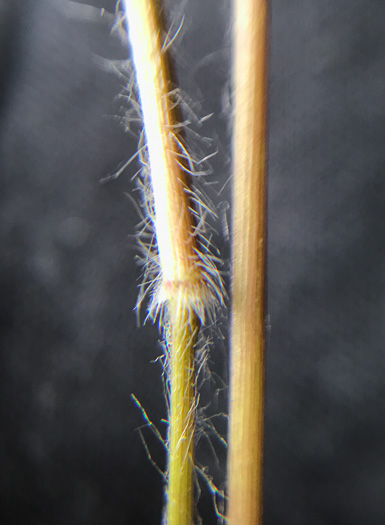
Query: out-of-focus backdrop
x=71, y=353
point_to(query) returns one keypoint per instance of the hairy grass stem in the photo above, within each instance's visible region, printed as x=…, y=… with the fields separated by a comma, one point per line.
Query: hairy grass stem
x=188, y=283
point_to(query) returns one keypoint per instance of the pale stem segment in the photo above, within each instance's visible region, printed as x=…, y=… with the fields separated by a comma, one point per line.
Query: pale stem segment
x=248, y=252
x=173, y=222
x=181, y=278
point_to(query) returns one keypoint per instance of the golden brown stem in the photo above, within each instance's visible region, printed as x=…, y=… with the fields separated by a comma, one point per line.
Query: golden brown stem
x=248, y=252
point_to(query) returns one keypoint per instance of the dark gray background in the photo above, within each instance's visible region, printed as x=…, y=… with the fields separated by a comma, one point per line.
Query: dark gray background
x=71, y=354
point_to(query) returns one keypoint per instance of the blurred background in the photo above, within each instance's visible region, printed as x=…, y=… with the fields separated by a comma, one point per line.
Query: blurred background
x=71, y=353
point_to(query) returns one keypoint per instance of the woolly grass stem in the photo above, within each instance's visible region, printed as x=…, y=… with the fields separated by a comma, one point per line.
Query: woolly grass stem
x=182, y=289
x=248, y=253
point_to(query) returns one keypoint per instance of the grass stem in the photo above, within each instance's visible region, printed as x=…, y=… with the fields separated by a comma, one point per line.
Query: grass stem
x=248, y=253
x=182, y=289
x=184, y=327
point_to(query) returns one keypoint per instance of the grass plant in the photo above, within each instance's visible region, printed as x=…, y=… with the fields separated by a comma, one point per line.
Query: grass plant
x=187, y=285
